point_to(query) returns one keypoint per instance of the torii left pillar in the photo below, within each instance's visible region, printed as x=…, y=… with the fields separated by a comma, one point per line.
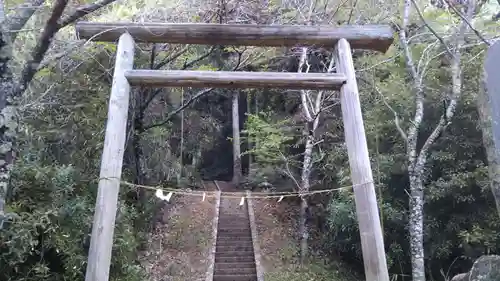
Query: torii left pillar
x=101, y=242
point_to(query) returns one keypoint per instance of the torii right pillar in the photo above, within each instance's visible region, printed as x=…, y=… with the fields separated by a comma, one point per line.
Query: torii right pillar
x=372, y=240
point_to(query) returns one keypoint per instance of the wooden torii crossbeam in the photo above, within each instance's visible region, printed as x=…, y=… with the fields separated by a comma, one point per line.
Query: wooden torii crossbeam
x=373, y=37
x=370, y=37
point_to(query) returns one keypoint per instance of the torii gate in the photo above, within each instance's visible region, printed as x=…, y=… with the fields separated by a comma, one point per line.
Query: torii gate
x=374, y=37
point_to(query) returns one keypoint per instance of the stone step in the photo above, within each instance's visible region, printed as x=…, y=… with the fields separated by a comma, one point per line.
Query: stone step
x=233, y=226
x=229, y=248
x=234, y=253
x=244, y=223
x=234, y=243
x=246, y=237
x=233, y=233
x=235, y=238
x=233, y=216
x=236, y=277
x=235, y=270
x=235, y=259
x=224, y=265
x=223, y=215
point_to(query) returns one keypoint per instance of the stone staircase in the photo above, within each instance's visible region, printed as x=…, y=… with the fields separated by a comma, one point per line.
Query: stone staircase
x=234, y=253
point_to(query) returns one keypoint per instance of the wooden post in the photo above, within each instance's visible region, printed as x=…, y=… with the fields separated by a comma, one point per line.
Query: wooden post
x=101, y=242
x=372, y=242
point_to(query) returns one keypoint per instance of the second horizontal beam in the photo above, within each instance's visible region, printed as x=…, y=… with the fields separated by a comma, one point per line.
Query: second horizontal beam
x=237, y=79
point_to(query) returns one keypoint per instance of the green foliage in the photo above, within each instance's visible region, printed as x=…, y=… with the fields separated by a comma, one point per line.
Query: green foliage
x=207, y=68
x=54, y=185
x=48, y=237
x=271, y=138
x=460, y=220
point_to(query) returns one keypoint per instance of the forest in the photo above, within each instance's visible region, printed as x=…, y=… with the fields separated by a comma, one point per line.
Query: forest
x=426, y=111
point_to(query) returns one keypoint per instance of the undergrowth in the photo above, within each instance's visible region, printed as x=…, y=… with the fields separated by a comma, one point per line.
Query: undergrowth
x=277, y=227
x=315, y=268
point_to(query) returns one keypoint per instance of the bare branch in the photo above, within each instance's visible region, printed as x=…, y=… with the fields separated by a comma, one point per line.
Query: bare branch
x=83, y=11
x=191, y=63
x=172, y=57
x=185, y=66
x=190, y=101
x=152, y=57
x=22, y=15
x=456, y=89
x=54, y=23
x=352, y=11
x=337, y=9
x=43, y=44
x=288, y=172
x=303, y=94
x=179, y=109
x=430, y=28
x=419, y=91
x=318, y=142
x=469, y=24
x=325, y=108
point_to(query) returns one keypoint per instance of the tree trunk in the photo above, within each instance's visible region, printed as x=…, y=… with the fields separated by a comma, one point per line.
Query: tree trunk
x=492, y=153
x=236, y=141
x=418, y=159
x=249, y=140
x=140, y=165
x=304, y=187
x=141, y=175
x=8, y=118
x=416, y=226
x=196, y=158
x=181, y=156
x=304, y=232
x=138, y=129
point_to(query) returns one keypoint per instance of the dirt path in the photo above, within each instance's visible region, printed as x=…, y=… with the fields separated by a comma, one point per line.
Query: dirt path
x=178, y=247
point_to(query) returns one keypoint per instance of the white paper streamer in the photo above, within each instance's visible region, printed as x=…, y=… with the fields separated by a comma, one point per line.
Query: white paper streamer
x=159, y=194
x=169, y=195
